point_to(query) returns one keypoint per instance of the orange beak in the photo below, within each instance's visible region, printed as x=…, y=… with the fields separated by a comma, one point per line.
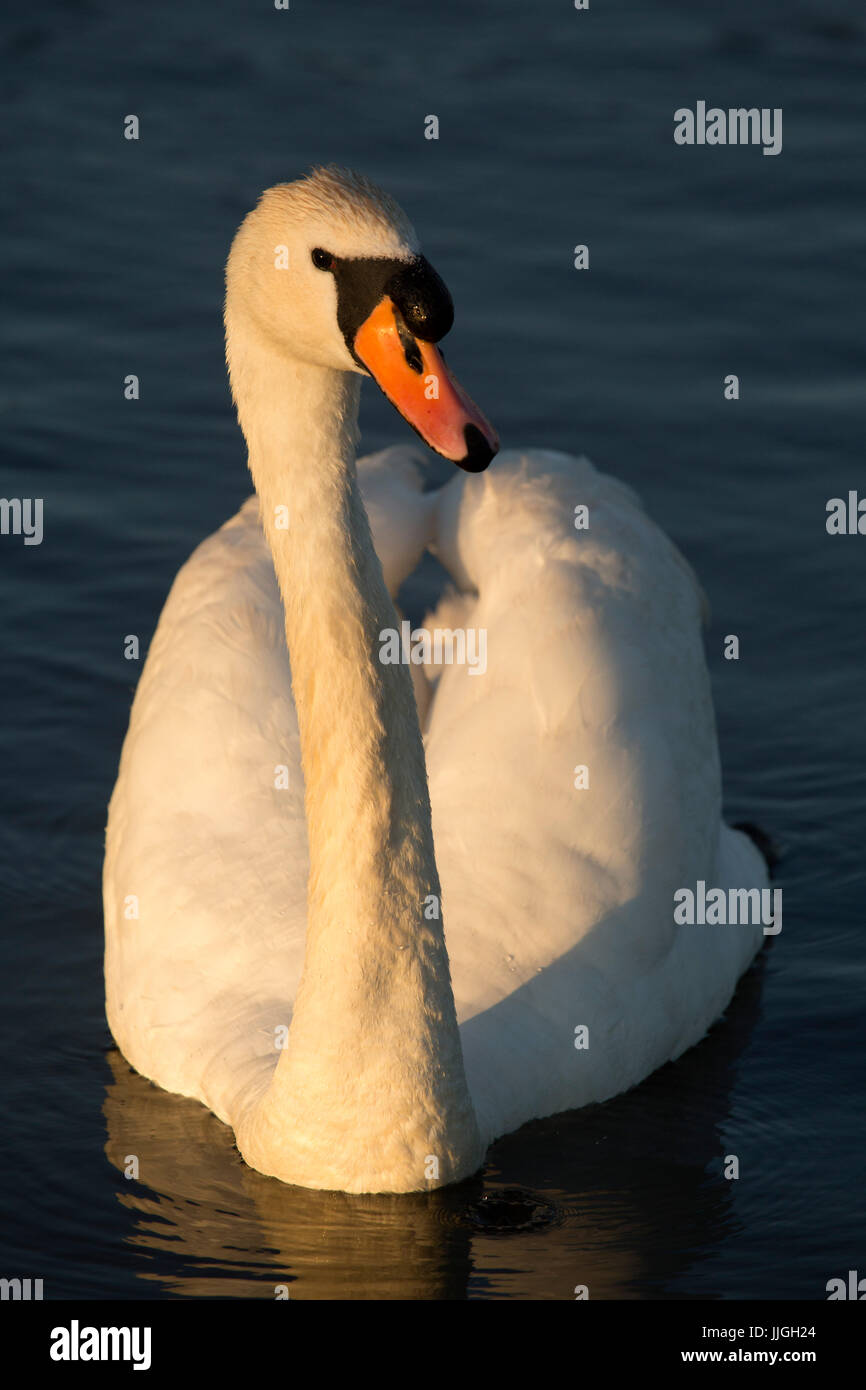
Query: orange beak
x=414, y=377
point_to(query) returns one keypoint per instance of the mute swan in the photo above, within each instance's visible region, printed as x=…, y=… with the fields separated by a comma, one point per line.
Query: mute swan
x=270, y=844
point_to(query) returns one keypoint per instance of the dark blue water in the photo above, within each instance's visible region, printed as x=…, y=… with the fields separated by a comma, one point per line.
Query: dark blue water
x=556, y=128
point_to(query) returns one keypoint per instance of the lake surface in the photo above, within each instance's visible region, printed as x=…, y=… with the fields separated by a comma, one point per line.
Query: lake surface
x=556, y=129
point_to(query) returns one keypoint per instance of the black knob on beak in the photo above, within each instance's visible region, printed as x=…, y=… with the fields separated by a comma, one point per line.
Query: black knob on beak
x=423, y=300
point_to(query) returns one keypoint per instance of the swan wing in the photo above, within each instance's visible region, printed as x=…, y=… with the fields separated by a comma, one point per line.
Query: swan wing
x=205, y=824
x=575, y=787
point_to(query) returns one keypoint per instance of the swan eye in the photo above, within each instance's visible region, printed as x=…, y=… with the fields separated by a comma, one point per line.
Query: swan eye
x=323, y=260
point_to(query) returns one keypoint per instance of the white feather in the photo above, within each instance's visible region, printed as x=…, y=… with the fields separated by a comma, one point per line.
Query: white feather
x=558, y=902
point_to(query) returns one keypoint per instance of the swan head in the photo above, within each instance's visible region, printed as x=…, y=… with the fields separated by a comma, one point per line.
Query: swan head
x=328, y=271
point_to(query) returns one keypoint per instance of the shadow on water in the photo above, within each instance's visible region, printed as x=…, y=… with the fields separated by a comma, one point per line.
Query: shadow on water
x=619, y=1197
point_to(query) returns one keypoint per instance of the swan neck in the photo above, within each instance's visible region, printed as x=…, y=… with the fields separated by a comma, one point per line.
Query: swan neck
x=370, y=1093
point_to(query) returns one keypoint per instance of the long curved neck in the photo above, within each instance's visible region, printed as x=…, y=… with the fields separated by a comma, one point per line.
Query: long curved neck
x=370, y=1093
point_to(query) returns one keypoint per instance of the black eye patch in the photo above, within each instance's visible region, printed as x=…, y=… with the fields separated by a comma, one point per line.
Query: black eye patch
x=418, y=292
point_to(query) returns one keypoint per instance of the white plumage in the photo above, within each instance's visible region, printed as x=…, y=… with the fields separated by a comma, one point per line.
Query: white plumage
x=557, y=901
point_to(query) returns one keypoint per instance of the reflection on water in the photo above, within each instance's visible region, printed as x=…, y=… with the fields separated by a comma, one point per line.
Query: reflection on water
x=625, y=1193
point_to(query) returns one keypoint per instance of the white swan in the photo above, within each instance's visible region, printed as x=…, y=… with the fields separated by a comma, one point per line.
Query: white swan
x=558, y=900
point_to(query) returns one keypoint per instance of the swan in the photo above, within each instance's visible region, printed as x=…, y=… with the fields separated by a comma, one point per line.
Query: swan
x=287, y=850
